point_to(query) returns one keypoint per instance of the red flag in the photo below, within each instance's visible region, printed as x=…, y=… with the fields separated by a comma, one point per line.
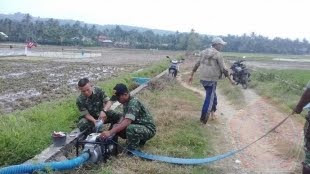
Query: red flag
x=31, y=44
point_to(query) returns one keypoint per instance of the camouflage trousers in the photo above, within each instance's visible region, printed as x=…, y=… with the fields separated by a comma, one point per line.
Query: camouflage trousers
x=136, y=135
x=112, y=117
x=306, y=162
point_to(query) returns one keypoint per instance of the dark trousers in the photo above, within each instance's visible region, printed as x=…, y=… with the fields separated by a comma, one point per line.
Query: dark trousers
x=306, y=162
x=210, y=102
x=136, y=135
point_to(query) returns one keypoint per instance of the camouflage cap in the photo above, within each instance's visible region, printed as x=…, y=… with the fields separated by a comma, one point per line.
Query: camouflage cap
x=218, y=40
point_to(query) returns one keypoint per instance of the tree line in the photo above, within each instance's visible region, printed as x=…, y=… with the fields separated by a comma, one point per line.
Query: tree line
x=52, y=32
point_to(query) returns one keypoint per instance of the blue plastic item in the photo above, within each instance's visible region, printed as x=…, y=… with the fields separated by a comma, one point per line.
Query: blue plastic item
x=141, y=80
x=307, y=107
x=183, y=161
x=198, y=161
x=54, y=166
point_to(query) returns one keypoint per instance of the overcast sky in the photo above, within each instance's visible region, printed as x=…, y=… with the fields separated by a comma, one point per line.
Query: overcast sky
x=283, y=18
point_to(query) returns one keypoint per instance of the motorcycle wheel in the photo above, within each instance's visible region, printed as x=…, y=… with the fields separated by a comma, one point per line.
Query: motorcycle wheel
x=172, y=74
x=245, y=82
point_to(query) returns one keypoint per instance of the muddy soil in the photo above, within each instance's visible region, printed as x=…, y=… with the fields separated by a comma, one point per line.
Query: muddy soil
x=27, y=81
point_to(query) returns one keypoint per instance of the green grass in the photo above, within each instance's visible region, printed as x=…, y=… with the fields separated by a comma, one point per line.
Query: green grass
x=24, y=134
x=232, y=92
x=179, y=134
x=284, y=87
x=186, y=132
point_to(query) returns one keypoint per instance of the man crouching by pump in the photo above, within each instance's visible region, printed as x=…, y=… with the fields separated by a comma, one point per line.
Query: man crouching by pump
x=94, y=106
x=137, y=126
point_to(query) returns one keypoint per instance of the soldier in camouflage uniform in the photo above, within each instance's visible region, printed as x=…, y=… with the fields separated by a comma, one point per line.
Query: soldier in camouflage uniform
x=304, y=100
x=137, y=125
x=94, y=105
x=212, y=68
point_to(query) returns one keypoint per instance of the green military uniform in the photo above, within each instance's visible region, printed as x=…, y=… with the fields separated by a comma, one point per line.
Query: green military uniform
x=304, y=100
x=307, y=141
x=142, y=127
x=93, y=105
x=307, y=133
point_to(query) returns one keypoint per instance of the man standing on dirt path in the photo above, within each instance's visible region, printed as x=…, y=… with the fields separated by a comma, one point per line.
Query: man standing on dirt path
x=305, y=101
x=137, y=126
x=212, y=68
x=94, y=106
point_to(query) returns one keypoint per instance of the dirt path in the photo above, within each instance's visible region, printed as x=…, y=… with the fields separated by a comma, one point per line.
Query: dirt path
x=279, y=152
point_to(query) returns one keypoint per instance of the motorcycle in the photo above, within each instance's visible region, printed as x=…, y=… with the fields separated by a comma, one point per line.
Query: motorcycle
x=174, y=68
x=240, y=73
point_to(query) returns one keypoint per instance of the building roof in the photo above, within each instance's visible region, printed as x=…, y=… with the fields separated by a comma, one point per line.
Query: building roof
x=3, y=34
x=107, y=41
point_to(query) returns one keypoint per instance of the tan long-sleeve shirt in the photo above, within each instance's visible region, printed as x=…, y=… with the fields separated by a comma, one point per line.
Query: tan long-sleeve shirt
x=211, y=65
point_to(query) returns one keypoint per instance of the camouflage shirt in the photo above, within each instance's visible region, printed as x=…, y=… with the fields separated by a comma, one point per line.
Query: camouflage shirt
x=304, y=100
x=92, y=105
x=135, y=111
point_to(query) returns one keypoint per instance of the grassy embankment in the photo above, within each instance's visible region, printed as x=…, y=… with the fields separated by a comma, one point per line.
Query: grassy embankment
x=284, y=87
x=25, y=133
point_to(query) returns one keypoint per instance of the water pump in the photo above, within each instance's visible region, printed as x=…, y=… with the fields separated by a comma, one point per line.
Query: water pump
x=98, y=148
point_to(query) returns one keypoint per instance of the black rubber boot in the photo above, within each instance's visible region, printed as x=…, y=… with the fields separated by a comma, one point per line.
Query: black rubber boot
x=142, y=143
x=204, y=118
